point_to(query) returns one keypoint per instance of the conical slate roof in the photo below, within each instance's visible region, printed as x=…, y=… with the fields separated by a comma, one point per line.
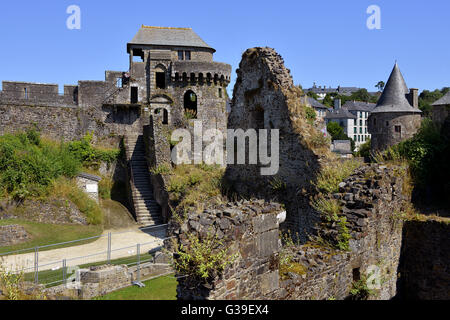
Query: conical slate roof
x=394, y=98
x=165, y=36
x=445, y=100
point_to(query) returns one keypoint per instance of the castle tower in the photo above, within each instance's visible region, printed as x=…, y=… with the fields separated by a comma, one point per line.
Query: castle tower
x=396, y=116
x=172, y=72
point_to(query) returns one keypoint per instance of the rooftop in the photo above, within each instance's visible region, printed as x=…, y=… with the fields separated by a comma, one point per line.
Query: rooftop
x=394, y=98
x=167, y=36
x=445, y=100
x=340, y=113
x=359, y=106
x=315, y=104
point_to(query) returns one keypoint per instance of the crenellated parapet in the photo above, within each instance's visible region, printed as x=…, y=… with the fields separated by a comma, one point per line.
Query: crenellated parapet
x=197, y=71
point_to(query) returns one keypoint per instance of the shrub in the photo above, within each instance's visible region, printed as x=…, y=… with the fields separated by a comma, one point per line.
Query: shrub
x=67, y=188
x=28, y=165
x=161, y=169
x=201, y=259
x=360, y=289
x=310, y=114
x=88, y=155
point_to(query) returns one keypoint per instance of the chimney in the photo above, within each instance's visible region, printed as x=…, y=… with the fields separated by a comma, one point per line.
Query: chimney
x=413, y=97
x=337, y=104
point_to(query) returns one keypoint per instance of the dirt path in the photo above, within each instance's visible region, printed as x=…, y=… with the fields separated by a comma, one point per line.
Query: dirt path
x=123, y=244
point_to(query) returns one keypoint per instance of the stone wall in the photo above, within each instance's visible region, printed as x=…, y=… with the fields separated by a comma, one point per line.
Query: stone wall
x=107, y=123
x=371, y=199
x=13, y=234
x=101, y=280
x=250, y=231
x=383, y=130
x=425, y=261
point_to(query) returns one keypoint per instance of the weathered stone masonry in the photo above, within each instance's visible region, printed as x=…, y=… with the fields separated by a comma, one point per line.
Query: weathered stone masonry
x=370, y=199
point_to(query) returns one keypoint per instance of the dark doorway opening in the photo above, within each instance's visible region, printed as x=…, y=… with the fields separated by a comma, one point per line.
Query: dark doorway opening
x=356, y=274
x=190, y=105
x=134, y=95
x=165, y=117
x=160, y=80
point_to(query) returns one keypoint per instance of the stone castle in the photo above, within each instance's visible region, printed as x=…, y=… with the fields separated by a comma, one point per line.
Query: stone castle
x=173, y=80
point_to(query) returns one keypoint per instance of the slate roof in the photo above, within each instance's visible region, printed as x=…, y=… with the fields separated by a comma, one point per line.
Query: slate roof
x=340, y=114
x=394, y=98
x=165, y=36
x=359, y=106
x=445, y=100
x=315, y=104
x=89, y=176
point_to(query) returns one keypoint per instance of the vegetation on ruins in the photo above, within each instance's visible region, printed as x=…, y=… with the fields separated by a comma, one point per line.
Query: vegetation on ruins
x=287, y=258
x=203, y=259
x=327, y=183
x=302, y=123
x=12, y=287
x=191, y=186
x=360, y=289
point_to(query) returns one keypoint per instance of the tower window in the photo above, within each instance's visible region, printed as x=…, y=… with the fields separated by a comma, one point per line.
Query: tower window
x=220, y=92
x=398, y=129
x=26, y=93
x=180, y=55
x=387, y=123
x=190, y=105
x=160, y=80
x=187, y=55
x=134, y=95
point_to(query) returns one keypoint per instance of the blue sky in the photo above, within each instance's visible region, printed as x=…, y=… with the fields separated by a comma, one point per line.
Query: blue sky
x=324, y=41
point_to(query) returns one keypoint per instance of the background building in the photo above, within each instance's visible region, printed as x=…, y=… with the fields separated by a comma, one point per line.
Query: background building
x=396, y=116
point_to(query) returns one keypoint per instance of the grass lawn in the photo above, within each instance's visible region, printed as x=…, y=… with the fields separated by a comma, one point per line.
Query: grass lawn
x=45, y=234
x=163, y=288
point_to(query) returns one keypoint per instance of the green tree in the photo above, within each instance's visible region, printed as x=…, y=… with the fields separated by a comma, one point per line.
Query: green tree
x=337, y=133
x=361, y=95
x=380, y=85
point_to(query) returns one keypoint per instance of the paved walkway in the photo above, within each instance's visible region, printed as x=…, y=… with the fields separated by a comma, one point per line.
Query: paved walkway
x=123, y=244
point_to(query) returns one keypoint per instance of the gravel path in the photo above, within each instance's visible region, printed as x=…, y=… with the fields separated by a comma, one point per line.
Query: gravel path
x=123, y=244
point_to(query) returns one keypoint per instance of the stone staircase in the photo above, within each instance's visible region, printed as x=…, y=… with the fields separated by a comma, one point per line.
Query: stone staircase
x=147, y=210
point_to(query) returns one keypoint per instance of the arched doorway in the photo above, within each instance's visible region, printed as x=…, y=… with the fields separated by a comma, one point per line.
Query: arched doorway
x=190, y=104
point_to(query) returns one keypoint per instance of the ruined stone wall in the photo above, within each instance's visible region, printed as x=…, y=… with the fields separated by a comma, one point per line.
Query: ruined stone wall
x=371, y=200
x=13, y=234
x=248, y=230
x=265, y=98
x=425, y=261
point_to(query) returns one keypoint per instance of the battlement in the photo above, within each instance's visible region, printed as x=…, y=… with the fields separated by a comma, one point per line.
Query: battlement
x=30, y=93
x=209, y=71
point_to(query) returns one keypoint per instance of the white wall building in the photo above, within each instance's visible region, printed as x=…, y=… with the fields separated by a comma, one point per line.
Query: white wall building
x=353, y=117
